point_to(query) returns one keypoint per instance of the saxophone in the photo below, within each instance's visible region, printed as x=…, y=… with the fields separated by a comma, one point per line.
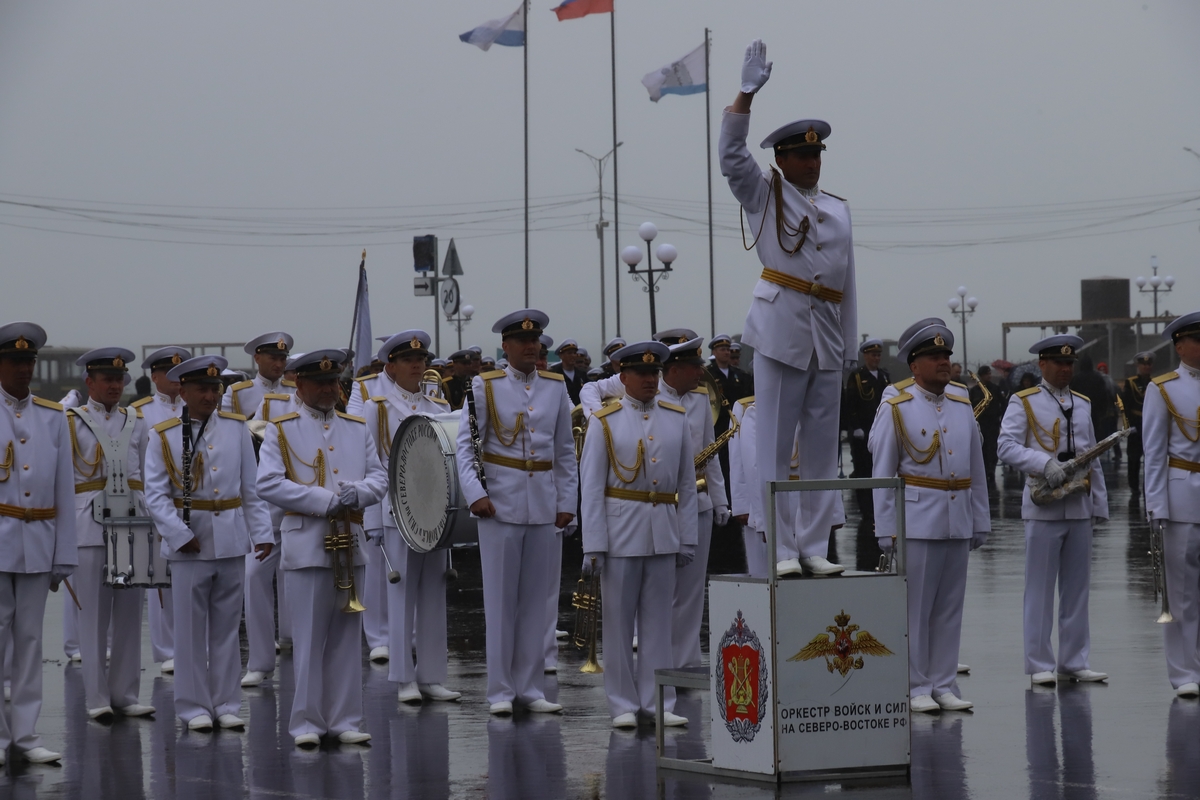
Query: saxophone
x=709, y=452
x=987, y=395
x=1077, y=469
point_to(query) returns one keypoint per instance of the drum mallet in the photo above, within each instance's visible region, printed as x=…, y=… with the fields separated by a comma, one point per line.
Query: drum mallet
x=451, y=572
x=74, y=596
x=393, y=575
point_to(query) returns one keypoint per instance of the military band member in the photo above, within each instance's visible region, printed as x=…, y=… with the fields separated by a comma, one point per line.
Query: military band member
x=416, y=606
x=487, y=362
x=583, y=361
x=528, y=453
x=1133, y=397
x=860, y=401
x=37, y=530
x=930, y=439
x=207, y=553
x=568, y=367
x=455, y=387
x=803, y=320
x=106, y=446
x=543, y=361
x=639, y=528
x=1170, y=430
x=735, y=355
x=746, y=499
x=611, y=367
x=1043, y=427
x=161, y=406
x=270, y=352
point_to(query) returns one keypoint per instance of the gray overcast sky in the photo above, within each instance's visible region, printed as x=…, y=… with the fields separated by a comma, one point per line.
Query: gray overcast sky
x=375, y=114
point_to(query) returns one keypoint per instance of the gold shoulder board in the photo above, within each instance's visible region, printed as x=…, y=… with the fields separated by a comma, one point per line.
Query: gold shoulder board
x=900, y=386
x=381, y=399
x=958, y=398
x=38, y=401
x=362, y=378
x=902, y=397
x=140, y=414
x=701, y=389
x=1032, y=390
x=1081, y=396
x=140, y=403
x=746, y=402
x=231, y=415
x=834, y=196
x=167, y=424
x=440, y=400
x=545, y=373
x=1161, y=379
x=672, y=406
x=286, y=417
x=351, y=417
x=276, y=396
x=606, y=409
x=959, y=385
x=287, y=383
x=491, y=375
x=237, y=387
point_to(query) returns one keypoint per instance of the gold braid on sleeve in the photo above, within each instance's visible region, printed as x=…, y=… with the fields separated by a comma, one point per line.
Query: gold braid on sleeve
x=86, y=468
x=385, y=435
x=499, y=428
x=615, y=463
x=1039, y=431
x=917, y=454
x=285, y=453
x=173, y=473
x=1185, y=424
x=6, y=465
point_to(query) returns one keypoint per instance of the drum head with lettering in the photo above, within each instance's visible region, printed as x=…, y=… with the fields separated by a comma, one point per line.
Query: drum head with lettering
x=423, y=483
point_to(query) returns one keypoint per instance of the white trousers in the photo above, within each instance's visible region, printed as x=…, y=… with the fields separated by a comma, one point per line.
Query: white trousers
x=161, y=603
x=326, y=654
x=376, y=597
x=1181, y=638
x=1057, y=551
x=642, y=588
x=70, y=623
x=756, y=551
x=259, y=603
x=937, y=586
x=514, y=606
x=416, y=611
x=687, y=606
x=116, y=683
x=553, y=588
x=208, y=659
x=786, y=396
x=22, y=608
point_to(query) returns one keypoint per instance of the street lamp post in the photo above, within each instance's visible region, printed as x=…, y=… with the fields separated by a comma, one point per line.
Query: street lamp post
x=464, y=316
x=963, y=307
x=651, y=275
x=600, y=163
x=1157, y=285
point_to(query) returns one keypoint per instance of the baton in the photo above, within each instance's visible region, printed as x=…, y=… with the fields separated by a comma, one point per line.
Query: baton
x=74, y=596
x=393, y=576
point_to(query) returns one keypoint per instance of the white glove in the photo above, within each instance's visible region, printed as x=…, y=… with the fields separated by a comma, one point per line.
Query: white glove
x=348, y=494
x=721, y=516
x=978, y=540
x=335, y=507
x=1054, y=474
x=885, y=544
x=859, y=434
x=849, y=365
x=755, y=69
x=60, y=572
x=593, y=564
x=685, y=556
x=376, y=536
x=571, y=529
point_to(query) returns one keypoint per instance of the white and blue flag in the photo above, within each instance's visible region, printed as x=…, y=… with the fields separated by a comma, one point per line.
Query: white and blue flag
x=508, y=31
x=685, y=76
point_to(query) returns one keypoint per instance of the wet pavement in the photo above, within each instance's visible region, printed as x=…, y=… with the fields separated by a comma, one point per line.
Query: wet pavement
x=1131, y=738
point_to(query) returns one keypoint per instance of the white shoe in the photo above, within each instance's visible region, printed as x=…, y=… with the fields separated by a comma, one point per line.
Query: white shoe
x=923, y=702
x=354, y=737
x=501, y=709
x=202, y=723
x=560, y=634
x=625, y=721
x=76, y=658
x=1188, y=690
x=40, y=755
x=551, y=669
x=1043, y=678
x=380, y=655
x=789, y=566
x=674, y=720
x=1084, y=676
x=168, y=667
x=964, y=669
x=104, y=713
x=231, y=722
x=136, y=710
x=819, y=566
x=255, y=678
x=409, y=693
x=544, y=707
x=949, y=702
x=435, y=691
x=308, y=741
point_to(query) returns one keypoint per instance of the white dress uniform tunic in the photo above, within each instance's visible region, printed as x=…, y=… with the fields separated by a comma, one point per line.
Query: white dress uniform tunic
x=932, y=441
x=37, y=534
x=529, y=461
x=248, y=395
x=1171, y=441
x=227, y=519
x=1058, y=536
x=802, y=322
x=364, y=389
x=639, y=510
x=743, y=475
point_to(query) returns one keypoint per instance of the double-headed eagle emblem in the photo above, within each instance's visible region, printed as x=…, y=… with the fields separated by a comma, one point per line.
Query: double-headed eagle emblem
x=843, y=650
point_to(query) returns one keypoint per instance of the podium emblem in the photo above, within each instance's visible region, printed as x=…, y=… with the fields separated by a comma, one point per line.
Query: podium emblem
x=742, y=681
x=841, y=647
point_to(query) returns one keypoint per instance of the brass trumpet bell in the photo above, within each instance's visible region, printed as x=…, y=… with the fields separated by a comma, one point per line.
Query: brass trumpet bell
x=586, y=601
x=340, y=544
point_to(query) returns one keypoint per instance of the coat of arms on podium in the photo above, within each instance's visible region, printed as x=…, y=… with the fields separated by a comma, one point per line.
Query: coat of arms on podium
x=841, y=647
x=742, y=680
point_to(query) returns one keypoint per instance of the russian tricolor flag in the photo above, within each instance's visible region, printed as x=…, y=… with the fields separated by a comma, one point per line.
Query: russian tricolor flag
x=574, y=9
x=508, y=31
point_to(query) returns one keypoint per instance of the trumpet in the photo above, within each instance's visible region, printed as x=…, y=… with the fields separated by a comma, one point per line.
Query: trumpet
x=887, y=561
x=986, y=400
x=1159, y=569
x=578, y=429
x=340, y=543
x=586, y=601
x=431, y=384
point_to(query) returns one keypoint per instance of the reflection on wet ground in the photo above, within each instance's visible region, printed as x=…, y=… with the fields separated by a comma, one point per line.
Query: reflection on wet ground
x=1132, y=738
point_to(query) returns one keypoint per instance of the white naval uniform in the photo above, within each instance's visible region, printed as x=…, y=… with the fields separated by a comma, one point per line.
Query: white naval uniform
x=35, y=449
x=375, y=594
x=1058, y=536
x=157, y=408
x=1171, y=442
x=70, y=615
x=744, y=494
x=227, y=519
x=416, y=606
x=945, y=503
x=801, y=341
x=246, y=397
x=515, y=545
x=115, y=683
x=363, y=389
x=639, y=538
x=326, y=641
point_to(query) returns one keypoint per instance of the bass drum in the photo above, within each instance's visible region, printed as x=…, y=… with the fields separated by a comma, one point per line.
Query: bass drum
x=427, y=502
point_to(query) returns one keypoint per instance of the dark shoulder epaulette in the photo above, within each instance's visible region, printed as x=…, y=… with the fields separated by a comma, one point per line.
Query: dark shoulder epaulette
x=491, y=375
x=747, y=401
x=900, y=398
x=1161, y=379
x=672, y=406
x=1081, y=396
x=351, y=417
x=440, y=400
x=286, y=417
x=140, y=403
x=545, y=373
x=606, y=409
x=904, y=384
x=237, y=387
x=958, y=398
x=39, y=401
x=231, y=415
x=287, y=383
x=167, y=424
x=834, y=196
x=1032, y=390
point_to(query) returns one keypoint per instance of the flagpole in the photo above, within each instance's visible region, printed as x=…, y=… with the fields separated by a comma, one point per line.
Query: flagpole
x=525, y=51
x=612, y=21
x=712, y=281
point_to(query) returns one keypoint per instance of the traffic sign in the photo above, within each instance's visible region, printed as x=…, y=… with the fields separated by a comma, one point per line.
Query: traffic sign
x=452, y=266
x=450, y=296
x=423, y=286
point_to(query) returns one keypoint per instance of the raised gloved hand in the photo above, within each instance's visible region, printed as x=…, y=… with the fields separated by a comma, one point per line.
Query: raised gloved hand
x=721, y=515
x=593, y=564
x=376, y=536
x=348, y=494
x=1054, y=474
x=685, y=556
x=859, y=434
x=978, y=540
x=885, y=544
x=60, y=572
x=755, y=68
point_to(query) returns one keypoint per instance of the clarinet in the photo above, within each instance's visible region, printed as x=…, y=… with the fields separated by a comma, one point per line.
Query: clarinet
x=187, y=467
x=476, y=442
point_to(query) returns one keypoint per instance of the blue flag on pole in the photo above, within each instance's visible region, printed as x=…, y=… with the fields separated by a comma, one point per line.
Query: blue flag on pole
x=360, y=331
x=685, y=76
x=507, y=31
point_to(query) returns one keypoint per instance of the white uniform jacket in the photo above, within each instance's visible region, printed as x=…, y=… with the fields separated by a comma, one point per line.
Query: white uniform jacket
x=653, y=440
x=918, y=426
x=35, y=481
x=91, y=468
x=1033, y=431
x=700, y=425
x=362, y=390
x=1171, y=440
x=245, y=397
x=227, y=516
x=783, y=323
x=743, y=466
x=533, y=413
x=594, y=393
x=304, y=458
x=909, y=384
x=384, y=413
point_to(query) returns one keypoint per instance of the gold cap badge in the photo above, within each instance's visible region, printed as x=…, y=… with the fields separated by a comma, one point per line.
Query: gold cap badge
x=326, y=364
x=939, y=341
x=118, y=362
x=22, y=343
x=527, y=324
x=415, y=343
x=281, y=344
x=176, y=359
x=1065, y=350
x=212, y=371
x=811, y=136
x=648, y=357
